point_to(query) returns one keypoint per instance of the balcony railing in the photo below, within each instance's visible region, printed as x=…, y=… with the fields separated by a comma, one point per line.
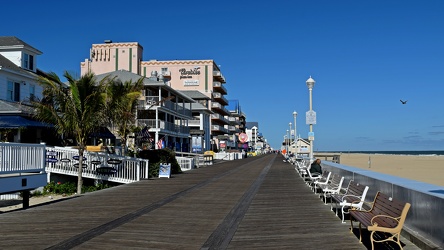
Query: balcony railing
x=163, y=125
x=218, y=76
x=220, y=98
x=219, y=129
x=194, y=123
x=176, y=107
x=166, y=73
x=233, y=120
x=219, y=107
x=220, y=87
x=151, y=102
x=219, y=117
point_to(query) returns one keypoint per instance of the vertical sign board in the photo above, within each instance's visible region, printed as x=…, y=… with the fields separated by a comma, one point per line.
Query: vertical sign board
x=165, y=170
x=310, y=117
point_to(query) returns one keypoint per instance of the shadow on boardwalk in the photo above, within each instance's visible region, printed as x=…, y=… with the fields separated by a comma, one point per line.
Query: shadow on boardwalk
x=254, y=203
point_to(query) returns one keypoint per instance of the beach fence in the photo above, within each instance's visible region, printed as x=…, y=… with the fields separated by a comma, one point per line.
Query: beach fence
x=425, y=219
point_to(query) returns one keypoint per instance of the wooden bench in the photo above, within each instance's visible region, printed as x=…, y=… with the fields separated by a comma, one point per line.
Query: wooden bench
x=386, y=215
x=354, y=196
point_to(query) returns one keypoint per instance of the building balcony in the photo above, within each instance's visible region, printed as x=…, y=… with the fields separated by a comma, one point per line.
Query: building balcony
x=218, y=129
x=233, y=120
x=152, y=103
x=217, y=75
x=218, y=108
x=164, y=126
x=220, y=98
x=219, y=118
x=232, y=129
x=219, y=87
x=194, y=123
x=166, y=73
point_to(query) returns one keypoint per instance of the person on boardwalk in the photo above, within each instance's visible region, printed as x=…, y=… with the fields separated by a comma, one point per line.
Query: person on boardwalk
x=315, y=168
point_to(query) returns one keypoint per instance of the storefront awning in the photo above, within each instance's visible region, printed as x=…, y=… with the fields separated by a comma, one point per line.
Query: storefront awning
x=103, y=132
x=15, y=121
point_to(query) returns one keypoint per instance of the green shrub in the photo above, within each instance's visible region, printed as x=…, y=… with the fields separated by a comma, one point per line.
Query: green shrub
x=158, y=156
x=69, y=188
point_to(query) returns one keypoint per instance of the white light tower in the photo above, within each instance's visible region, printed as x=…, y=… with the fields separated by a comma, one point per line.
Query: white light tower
x=295, y=134
x=311, y=117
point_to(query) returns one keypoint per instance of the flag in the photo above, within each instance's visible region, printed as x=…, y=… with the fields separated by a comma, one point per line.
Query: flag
x=144, y=134
x=160, y=144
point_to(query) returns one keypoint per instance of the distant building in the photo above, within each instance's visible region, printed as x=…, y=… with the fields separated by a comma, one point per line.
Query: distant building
x=163, y=111
x=185, y=75
x=200, y=128
x=18, y=86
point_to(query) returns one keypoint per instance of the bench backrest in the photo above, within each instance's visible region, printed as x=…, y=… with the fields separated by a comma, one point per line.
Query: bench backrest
x=357, y=189
x=386, y=205
x=335, y=180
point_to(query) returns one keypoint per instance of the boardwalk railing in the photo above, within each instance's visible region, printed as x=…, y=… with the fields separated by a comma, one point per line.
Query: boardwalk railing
x=124, y=169
x=21, y=158
x=185, y=163
x=22, y=168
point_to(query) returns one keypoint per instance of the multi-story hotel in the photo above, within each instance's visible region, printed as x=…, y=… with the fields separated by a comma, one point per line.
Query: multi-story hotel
x=202, y=76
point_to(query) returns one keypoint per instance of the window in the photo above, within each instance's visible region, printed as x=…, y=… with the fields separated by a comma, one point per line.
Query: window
x=16, y=92
x=28, y=61
x=164, y=70
x=10, y=91
x=31, y=62
x=13, y=91
x=32, y=92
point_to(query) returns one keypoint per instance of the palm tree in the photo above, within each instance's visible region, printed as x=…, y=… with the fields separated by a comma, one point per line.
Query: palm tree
x=121, y=105
x=75, y=110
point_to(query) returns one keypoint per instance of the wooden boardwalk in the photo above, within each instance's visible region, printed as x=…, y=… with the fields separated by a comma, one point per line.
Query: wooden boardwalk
x=254, y=203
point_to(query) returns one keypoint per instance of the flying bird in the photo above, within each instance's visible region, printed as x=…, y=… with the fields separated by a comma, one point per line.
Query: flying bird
x=403, y=102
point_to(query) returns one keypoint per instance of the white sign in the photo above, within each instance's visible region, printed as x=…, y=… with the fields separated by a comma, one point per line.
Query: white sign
x=190, y=82
x=165, y=170
x=310, y=117
x=311, y=136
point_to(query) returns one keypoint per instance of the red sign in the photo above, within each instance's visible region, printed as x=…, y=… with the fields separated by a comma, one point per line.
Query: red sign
x=243, y=137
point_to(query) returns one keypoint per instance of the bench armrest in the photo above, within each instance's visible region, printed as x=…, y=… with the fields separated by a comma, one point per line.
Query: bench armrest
x=350, y=195
x=369, y=204
x=376, y=227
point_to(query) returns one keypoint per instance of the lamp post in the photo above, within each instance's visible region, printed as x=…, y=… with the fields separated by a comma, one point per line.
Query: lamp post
x=286, y=141
x=289, y=143
x=295, y=135
x=311, y=115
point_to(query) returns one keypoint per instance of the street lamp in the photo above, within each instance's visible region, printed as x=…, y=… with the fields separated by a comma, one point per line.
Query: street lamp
x=286, y=142
x=290, y=136
x=311, y=115
x=295, y=135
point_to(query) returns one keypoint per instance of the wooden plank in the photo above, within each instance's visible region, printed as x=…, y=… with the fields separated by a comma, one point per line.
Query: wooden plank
x=263, y=199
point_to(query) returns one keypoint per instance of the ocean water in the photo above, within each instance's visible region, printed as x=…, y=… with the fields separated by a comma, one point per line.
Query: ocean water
x=425, y=152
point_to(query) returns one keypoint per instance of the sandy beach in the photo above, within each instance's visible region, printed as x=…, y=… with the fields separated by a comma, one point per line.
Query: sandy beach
x=424, y=168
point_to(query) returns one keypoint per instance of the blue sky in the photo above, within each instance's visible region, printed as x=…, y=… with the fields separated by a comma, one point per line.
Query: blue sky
x=364, y=56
